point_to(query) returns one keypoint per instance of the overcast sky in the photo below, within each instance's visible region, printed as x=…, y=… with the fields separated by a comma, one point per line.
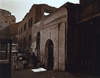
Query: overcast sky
x=19, y=8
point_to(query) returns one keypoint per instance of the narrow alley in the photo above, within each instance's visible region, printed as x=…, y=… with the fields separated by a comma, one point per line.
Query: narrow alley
x=28, y=73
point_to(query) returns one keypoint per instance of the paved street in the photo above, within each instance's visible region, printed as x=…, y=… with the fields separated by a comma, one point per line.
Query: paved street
x=27, y=73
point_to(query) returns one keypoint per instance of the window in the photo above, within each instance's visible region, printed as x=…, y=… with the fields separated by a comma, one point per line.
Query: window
x=19, y=32
x=30, y=38
x=38, y=41
x=13, y=20
x=24, y=43
x=6, y=21
x=31, y=21
x=24, y=26
x=46, y=13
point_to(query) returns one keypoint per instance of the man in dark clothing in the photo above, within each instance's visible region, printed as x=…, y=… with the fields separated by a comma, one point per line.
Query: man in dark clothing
x=34, y=58
x=25, y=61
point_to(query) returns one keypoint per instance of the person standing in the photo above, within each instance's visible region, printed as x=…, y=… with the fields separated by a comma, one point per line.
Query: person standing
x=34, y=58
x=25, y=61
x=15, y=62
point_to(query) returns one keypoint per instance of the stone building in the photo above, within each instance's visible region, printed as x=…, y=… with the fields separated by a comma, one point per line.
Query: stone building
x=6, y=19
x=49, y=36
x=66, y=39
x=52, y=38
x=35, y=14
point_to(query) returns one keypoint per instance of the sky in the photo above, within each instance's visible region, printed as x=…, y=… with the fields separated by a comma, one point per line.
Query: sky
x=19, y=8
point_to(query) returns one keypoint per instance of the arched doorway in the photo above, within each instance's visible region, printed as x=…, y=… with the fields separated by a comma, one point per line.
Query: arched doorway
x=49, y=54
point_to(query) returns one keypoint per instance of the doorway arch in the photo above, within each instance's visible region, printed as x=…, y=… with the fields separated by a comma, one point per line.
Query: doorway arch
x=49, y=48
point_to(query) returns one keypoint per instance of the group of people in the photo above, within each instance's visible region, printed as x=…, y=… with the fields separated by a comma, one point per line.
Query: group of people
x=25, y=58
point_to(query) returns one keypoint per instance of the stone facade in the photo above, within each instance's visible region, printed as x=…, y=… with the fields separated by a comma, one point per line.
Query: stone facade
x=6, y=19
x=66, y=39
x=35, y=14
x=55, y=30
x=52, y=28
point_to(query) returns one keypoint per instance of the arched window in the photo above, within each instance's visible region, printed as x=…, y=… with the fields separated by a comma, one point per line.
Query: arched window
x=38, y=44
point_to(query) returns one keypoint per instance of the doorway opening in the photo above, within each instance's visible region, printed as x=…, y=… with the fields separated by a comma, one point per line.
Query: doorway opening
x=49, y=54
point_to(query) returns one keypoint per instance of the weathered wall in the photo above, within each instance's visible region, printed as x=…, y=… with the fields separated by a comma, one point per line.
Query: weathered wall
x=54, y=29
x=34, y=15
x=50, y=27
x=24, y=34
x=50, y=33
